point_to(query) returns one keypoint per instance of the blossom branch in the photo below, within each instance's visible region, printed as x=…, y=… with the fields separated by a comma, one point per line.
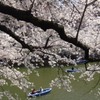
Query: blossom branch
x=43, y=24
x=83, y=14
x=18, y=39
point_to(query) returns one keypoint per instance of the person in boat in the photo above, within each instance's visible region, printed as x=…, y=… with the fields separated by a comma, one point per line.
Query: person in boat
x=72, y=68
x=41, y=89
x=33, y=91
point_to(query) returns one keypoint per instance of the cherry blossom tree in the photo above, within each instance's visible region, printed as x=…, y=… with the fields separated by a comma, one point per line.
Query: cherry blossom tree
x=38, y=31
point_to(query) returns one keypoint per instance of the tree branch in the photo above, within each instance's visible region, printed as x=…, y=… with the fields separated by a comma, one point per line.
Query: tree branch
x=75, y=7
x=31, y=6
x=18, y=39
x=83, y=14
x=43, y=24
x=81, y=21
x=91, y=2
x=47, y=41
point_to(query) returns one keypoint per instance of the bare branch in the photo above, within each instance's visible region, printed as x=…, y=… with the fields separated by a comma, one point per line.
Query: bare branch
x=47, y=41
x=31, y=6
x=81, y=20
x=75, y=7
x=83, y=14
x=91, y=2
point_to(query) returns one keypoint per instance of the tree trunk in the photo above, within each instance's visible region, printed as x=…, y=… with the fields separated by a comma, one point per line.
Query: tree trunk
x=86, y=54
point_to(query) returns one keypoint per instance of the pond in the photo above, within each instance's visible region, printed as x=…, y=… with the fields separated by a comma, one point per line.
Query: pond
x=80, y=88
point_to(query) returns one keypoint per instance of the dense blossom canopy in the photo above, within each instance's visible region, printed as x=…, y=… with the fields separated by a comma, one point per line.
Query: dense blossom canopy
x=38, y=33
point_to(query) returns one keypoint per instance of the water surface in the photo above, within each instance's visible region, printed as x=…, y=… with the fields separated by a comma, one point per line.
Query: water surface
x=80, y=88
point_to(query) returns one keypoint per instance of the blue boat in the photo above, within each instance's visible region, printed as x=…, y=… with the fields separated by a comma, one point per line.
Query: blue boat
x=81, y=61
x=72, y=70
x=40, y=92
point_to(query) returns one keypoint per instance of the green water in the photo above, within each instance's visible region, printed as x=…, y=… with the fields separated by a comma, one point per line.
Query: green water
x=79, y=91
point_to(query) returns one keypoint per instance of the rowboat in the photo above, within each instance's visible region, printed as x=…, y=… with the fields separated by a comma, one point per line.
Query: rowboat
x=40, y=92
x=81, y=61
x=72, y=70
